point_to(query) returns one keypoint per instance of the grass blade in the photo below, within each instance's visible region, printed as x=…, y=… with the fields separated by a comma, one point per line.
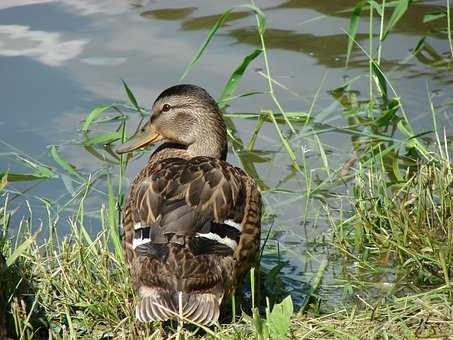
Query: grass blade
x=412, y=140
x=64, y=163
x=92, y=116
x=113, y=221
x=260, y=16
x=14, y=177
x=428, y=17
x=206, y=42
x=21, y=249
x=353, y=26
x=131, y=97
x=236, y=76
x=381, y=79
x=220, y=21
x=398, y=12
x=4, y=181
x=104, y=138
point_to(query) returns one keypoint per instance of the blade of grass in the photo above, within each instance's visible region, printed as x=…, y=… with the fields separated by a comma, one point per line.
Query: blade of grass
x=92, y=116
x=450, y=39
x=21, y=249
x=381, y=80
x=219, y=23
x=64, y=163
x=261, y=28
x=397, y=14
x=104, y=138
x=235, y=77
x=4, y=181
x=131, y=97
x=206, y=42
x=353, y=26
x=113, y=223
x=15, y=177
x=316, y=282
x=285, y=142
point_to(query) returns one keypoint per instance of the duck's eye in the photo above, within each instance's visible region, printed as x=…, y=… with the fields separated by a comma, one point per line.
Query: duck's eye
x=166, y=107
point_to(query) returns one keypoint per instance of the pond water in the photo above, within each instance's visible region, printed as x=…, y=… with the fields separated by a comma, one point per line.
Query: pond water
x=59, y=59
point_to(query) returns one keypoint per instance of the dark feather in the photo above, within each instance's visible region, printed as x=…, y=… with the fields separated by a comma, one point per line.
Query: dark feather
x=152, y=249
x=203, y=245
x=186, y=194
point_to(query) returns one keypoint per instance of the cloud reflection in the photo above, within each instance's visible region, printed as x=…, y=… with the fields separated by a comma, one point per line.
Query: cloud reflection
x=46, y=47
x=103, y=61
x=84, y=7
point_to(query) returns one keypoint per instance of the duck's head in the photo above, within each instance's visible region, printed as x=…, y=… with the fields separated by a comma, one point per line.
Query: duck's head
x=186, y=115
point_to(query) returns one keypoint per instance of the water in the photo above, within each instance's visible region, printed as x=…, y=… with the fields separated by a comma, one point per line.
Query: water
x=59, y=59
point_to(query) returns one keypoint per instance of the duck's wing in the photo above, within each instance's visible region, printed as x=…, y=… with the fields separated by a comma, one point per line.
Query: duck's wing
x=181, y=196
x=246, y=253
x=176, y=200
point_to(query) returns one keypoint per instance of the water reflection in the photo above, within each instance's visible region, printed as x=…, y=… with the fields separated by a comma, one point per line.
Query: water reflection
x=63, y=66
x=206, y=22
x=46, y=47
x=411, y=23
x=327, y=50
x=168, y=14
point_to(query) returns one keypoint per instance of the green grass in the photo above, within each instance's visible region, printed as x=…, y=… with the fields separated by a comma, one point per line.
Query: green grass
x=78, y=287
x=389, y=209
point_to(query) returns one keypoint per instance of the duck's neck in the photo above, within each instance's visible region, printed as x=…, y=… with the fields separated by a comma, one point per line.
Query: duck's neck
x=208, y=148
x=210, y=138
x=175, y=150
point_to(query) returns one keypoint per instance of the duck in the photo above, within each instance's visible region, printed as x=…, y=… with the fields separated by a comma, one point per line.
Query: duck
x=191, y=221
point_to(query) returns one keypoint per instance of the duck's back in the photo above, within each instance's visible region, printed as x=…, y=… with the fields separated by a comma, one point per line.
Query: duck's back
x=192, y=229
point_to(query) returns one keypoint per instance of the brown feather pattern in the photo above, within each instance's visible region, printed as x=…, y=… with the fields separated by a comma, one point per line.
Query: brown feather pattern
x=173, y=198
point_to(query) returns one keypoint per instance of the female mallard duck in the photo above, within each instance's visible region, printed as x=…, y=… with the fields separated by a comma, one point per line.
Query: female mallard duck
x=192, y=220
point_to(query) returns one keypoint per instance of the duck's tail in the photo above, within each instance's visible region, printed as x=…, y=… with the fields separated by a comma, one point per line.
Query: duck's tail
x=159, y=305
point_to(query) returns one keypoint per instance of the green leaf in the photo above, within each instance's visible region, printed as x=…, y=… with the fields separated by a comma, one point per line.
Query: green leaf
x=113, y=221
x=20, y=250
x=398, y=12
x=131, y=97
x=206, y=42
x=104, y=138
x=353, y=25
x=419, y=46
x=381, y=79
x=412, y=140
x=40, y=172
x=4, y=181
x=236, y=76
x=219, y=23
x=434, y=16
x=279, y=319
x=14, y=177
x=388, y=115
x=92, y=116
x=259, y=15
x=64, y=163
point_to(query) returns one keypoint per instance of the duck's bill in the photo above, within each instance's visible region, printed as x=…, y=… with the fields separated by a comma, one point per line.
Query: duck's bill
x=146, y=135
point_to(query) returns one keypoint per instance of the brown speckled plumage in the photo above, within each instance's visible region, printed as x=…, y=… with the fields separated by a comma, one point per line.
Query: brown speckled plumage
x=186, y=192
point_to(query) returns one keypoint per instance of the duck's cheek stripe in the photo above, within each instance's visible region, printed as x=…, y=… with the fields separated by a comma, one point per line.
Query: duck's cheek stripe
x=223, y=240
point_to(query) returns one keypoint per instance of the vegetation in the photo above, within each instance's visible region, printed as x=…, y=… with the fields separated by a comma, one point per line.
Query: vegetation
x=389, y=208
